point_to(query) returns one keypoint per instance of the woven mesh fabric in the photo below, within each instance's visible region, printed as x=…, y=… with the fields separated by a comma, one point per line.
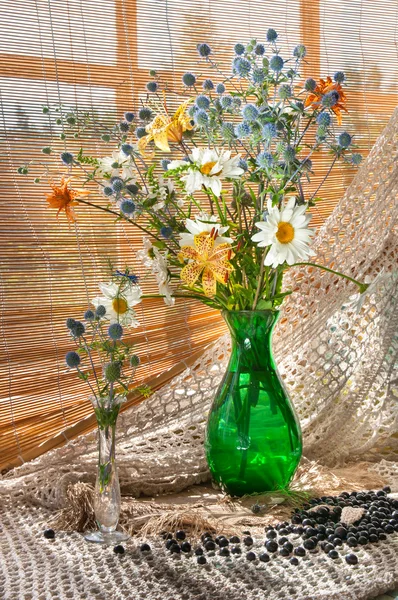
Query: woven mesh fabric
x=342, y=372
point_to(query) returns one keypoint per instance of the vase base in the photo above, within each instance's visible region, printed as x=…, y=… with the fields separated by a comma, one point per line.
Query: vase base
x=113, y=537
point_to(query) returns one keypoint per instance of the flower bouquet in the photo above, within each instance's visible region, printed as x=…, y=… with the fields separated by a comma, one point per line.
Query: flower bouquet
x=107, y=365
x=215, y=175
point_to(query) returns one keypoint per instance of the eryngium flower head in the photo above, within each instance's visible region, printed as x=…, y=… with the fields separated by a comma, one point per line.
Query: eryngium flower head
x=300, y=51
x=124, y=126
x=330, y=99
x=259, y=49
x=152, y=86
x=78, y=329
x=269, y=131
x=276, y=63
x=220, y=89
x=208, y=85
x=204, y=50
x=323, y=119
x=243, y=164
x=140, y=132
x=129, y=117
x=339, y=77
x=202, y=101
x=344, y=139
x=227, y=131
x=127, y=207
x=271, y=35
x=310, y=84
x=166, y=232
x=145, y=113
x=117, y=184
x=356, y=159
x=226, y=102
x=201, y=118
x=132, y=188
x=242, y=67
x=239, y=49
x=115, y=331
x=188, y=79
x=89, y=315
x=285, y=91
x=250, y=112
x=100, y=311
x=264, y=160
x=127, y=149
x=242, y=130
x=289, y=154
x=70, y=323
x=72, y=359
x=112, y=371
x=67, y=158
x=258, y=75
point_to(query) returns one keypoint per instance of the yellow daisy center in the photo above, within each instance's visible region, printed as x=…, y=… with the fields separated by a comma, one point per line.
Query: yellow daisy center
x=285, y=233
x=120, y=305
x=207, y=167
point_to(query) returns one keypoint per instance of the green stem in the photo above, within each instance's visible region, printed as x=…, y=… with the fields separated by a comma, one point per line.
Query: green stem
x=362, y=286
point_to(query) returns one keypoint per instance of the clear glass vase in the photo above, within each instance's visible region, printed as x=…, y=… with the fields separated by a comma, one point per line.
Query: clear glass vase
x=107, y=489
x=253, y=439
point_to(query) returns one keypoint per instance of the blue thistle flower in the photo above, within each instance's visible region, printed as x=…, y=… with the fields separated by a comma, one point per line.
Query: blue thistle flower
x=259, y=49
x=165, y=163
x=208, y=85
x=132, y=188
x=226, y=102
x=220, y=89
x=289, y=154
x=127, y=207
x=323, y=119
x=239, y=49
x=70, y=323
x=166, y=232
x=192, y=110
x=300, y=51
x=78, y=329
x=145, y=113
x=258, y=76
x=152, y=86
x=188, y=79
x=242, y=67
x=321, y=133
x=330, y=99
x=269, y=131
x=129, y=117
x=201, y=118
x=264, y=160
x=127, y=149
x=310, y=84
x=271, y=35
x=100, y=311
x=250, y=112
x=291, y=73
x=115, y=331
x=227, y=131
x=108, y=191
x=345, y=139
x=285, y=91
x=276, y=63
x=356, y=159
x=339, y=77
x=242, y=130
x=124, y=126
x=202, y=101
x=72, y=359
x=140, y=132
x=117, y=184
x=134, y=360
x=243, y=164
x=204, y=50
x=67, y=158
x=89, y=315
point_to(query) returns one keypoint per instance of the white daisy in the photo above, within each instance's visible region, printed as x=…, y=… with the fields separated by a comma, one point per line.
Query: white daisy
x=286, y=232
x=119, y=303
x=208, y=168
x=145, y=256
x=203, y=222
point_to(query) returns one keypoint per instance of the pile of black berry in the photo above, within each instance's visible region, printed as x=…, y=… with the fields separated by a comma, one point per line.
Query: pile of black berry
x=317, y=527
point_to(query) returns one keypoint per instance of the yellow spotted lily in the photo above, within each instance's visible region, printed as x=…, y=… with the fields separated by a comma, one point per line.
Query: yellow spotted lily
x=164, y=128
x=208, y=260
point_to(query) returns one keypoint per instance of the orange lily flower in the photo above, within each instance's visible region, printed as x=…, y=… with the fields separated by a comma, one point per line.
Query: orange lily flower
x=208, y=260
x=165, y=128
x=63, y=196
x=314, y=98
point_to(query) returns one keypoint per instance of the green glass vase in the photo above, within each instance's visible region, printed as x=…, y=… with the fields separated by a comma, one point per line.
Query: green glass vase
x=253, y=439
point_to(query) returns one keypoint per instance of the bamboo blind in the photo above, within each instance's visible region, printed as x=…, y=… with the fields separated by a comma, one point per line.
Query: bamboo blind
x=97, y=55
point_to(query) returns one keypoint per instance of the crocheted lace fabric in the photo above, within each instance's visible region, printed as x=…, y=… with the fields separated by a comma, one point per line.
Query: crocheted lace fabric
x=341, y=368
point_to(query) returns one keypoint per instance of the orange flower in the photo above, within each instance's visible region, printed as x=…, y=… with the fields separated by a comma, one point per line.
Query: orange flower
x=314, y=98
x=63, y=196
